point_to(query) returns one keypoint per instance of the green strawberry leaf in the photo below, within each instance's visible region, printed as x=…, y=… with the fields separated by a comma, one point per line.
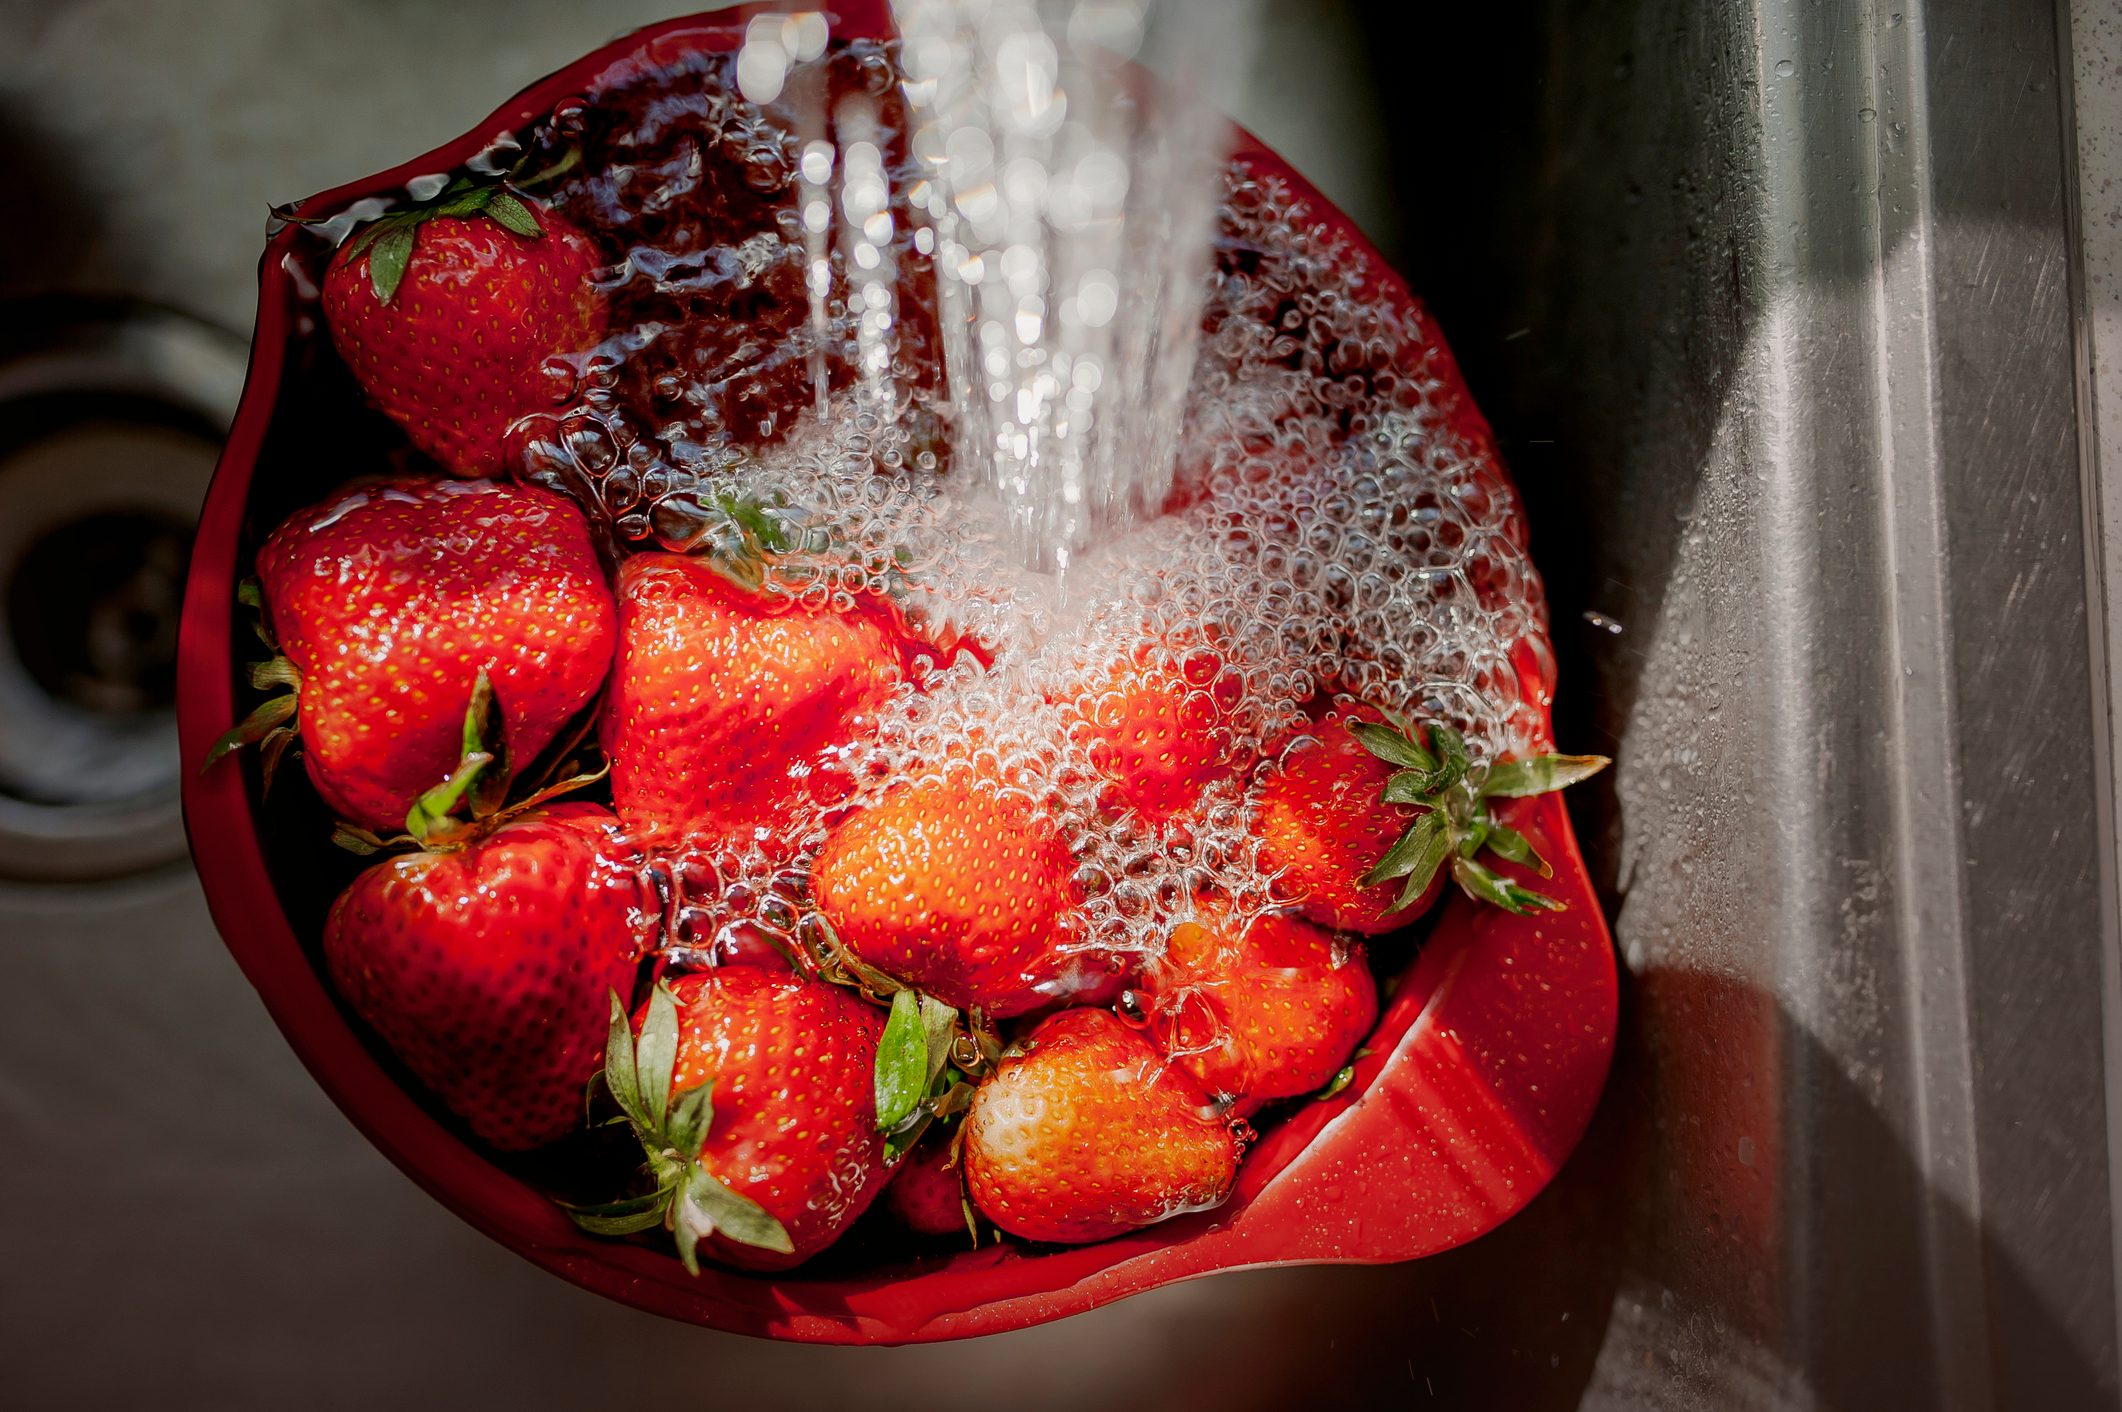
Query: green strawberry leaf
x=1485, y=886
x=624, y=1216
x=270, y=753
x=512, y=215
x=691, y=1113
x=387, y=259
x=939, y=1025
x=367, y=235
x=737, y=1217
x=1338, y=1082
x=1392, y=746
x=688, y=1225
x=1541, y=774
x=271, y=715
x=486, y=734
x=357, y=841
x=1409, y=787
x=1408, y=851
x=957, y=1096
x=655, y=1056
x=620, y=1078
x=902, y=1139
x=481, y=774
x=277, y=672
x=1436, y=847
x=902, y=1072
x=1508, y=843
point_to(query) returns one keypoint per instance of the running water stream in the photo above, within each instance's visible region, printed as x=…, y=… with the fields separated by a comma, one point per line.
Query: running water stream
x=1066, y=213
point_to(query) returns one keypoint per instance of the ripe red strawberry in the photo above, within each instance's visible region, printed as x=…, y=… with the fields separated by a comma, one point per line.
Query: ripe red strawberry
x=1157, y=724
x=761, y=1135
x=928, y=1197
x=1321, y=822
x=724, y=701
x=448, y=313
x=1272, y=1011
x=485, y=966
x=957, y=887
x=388, y=602
x=1365, y=815
x=1091, y=1132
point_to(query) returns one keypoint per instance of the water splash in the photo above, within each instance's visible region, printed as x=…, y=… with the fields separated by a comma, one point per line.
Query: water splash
x=1067, y=212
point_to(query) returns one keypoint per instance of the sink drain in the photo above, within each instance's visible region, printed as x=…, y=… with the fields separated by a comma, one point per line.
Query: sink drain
x=110, y=422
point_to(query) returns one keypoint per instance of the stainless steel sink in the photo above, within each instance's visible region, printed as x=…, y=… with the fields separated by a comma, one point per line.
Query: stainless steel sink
x=1776, y=309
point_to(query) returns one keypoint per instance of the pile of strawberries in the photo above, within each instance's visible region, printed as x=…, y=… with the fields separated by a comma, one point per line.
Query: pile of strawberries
x=450, y=642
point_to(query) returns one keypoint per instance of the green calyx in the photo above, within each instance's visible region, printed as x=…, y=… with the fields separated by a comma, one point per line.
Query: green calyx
x=479, y=779
x=388, y=240
x=271, y=725
x=1455, y=825
x=685, y=1198
x=925, y=1068
x=743, y=536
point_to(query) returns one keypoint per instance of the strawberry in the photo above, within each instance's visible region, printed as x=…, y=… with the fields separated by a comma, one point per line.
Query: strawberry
x=484, y=964
x=1272, y=1010
x=958, y=887
x=725, y=701
x=1156, y=724
x=1365, y=810
x=449, y=312
x=927, y=1197
x=1091, y=1132
x=388, y=603
x=752, y=1093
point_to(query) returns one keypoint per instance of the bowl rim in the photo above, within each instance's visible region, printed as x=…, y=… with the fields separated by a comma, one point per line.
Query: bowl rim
x=1489, y=1079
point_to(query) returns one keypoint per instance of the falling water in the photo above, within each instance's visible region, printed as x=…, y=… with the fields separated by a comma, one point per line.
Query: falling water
x=1067, y=211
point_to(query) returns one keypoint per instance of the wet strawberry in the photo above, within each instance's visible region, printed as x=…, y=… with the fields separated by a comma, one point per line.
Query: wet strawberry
x=1366, y=815
x=485, y=966
x=389, y=601
x=1092, y=1132
x=761, y=1133
x=448, y=314
x=726, y=703
x=1156, y=724
x=928, y=1197
x=958, y=887
x=1268, y=1011
x=1322, y=823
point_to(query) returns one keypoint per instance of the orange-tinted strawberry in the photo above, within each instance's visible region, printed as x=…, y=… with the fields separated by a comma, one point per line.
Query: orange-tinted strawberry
x=1322, y=823
x=448, y=313
x=927, y=1196
x=1270, y=1011
x=388, y=601
x=485, y=966
x=1092, y=1132
x=1157, y=724
x=726, y=702
x=761, y=1134
x=958, y=887
x=1366, y=815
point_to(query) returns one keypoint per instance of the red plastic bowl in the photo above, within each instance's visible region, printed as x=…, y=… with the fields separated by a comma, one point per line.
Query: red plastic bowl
x=1482, y=1074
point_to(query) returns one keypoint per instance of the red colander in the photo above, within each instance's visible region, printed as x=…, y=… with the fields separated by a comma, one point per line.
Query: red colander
x=1480, y=1078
